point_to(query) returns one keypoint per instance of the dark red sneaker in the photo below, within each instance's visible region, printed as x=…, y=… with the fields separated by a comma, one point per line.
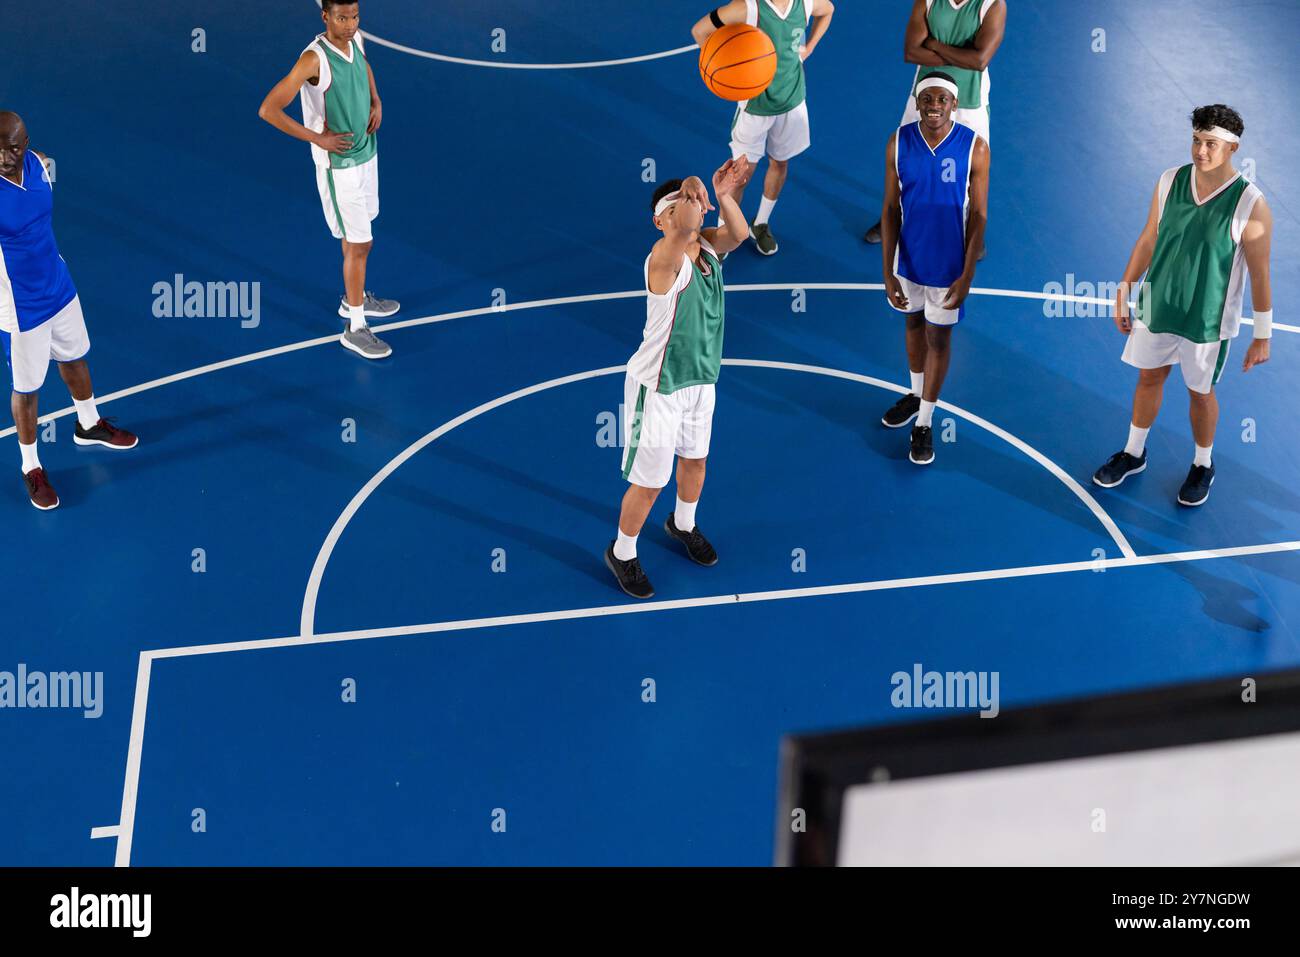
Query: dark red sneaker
x=105, y=433
x=38, y=489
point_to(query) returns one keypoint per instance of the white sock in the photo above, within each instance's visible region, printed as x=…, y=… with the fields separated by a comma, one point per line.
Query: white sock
x=30, y=459
x=87, y=413
x=1137, y=441
x=625, y=547
x=1202, y=455
x=356, y=317
x=918, y=383
x=926, y=414
x=684, y=517
x=764, y=211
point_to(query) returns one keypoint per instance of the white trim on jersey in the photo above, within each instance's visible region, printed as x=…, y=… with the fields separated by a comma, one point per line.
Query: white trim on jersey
x=1230, y=321
x=1245, y=207
x=751, y=12
x=932, y=149
x=1201, y=202
x=788, y=7
x=965, y=206
x=8, y=308
x=1163, y=186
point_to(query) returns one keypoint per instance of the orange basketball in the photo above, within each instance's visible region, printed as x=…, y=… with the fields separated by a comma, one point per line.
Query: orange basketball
x=738, y=62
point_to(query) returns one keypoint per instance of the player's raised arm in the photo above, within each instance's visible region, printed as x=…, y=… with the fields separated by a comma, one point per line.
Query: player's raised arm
x=822, y=12
x=918, y=31
x=1257, y=241
x=282, y=94
x=733, y=12
x=727, y=182
x=1139, y=261
x=980, y=53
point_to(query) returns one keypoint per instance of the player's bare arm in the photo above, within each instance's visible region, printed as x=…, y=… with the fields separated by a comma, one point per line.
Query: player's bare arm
x=306, y=70
x=376, y=107
x=977, y=219
x=822, y=12
x=891, y=221
x=733, y=12
x=1139, y=261
x=728, y=181
x=918, y=31
x=1257, y=241
x=980, y=53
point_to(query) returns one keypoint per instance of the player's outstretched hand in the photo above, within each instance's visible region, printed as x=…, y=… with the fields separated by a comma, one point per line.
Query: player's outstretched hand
x=693, y=188
x=1122, y=321
x=957, y=293
x=894, y=290
x=334, y=142
x=1256, y=354
x=731, y=176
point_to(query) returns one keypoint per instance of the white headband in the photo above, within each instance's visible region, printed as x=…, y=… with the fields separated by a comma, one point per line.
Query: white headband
x=667, y=201
x=1221, y=133
x=943, y=84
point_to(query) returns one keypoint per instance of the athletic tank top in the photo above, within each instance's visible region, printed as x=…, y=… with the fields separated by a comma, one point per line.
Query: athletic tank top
x=956, y=25
x=934, y=191
x=1197, y=278
x=340, y=100
x=787, y=34
x=682, y=342
x=34, y=280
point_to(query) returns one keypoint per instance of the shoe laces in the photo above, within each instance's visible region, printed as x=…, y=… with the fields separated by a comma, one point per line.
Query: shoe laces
x=634, y=569
x=36, y=478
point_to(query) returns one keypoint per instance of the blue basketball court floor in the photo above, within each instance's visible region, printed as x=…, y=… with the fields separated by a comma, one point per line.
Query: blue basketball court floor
x=428, y=530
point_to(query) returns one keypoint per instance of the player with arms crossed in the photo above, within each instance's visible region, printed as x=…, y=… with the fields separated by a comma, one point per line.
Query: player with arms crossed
x=669, y=389
x=935, y=211
x=774, y=123
x=40, y=312
x=1207, y=227
x=341, y=114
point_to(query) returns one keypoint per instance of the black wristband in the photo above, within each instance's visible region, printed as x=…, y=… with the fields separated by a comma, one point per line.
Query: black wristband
x=717, y=20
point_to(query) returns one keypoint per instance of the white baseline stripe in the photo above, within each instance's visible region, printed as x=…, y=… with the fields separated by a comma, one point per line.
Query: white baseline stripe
x=537, y=304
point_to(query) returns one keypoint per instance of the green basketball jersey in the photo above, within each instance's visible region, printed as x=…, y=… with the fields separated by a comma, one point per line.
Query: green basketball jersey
x=340, y=101
x=682, y=342
x=787, y=34
x=1197, y=278
x=957, y=26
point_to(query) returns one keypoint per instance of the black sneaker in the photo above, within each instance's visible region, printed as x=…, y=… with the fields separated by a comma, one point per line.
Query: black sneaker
x=1197, y=487
x=873, y=235
x=697, y=546
x=922, y=445
x=629, y=574
x=1119, y=467
x=902, y=412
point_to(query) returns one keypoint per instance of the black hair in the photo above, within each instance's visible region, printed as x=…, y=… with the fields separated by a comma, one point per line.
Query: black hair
x=672, y=186
x=1208, y=117
x=326, y=4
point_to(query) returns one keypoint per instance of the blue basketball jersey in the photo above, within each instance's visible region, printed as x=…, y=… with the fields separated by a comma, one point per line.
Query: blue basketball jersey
x=34, y=280
x=934, y=190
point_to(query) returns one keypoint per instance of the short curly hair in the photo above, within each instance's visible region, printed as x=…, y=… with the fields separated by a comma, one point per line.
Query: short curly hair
x=1208, y=117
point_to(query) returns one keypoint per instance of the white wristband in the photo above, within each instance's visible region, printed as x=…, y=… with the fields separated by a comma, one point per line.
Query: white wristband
x=1264, y=325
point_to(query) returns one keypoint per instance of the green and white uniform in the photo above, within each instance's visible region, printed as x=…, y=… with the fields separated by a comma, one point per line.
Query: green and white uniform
x=775, y=123
x=956, y=24
x=1189, y=307
x=668, y=393
x=340, y=100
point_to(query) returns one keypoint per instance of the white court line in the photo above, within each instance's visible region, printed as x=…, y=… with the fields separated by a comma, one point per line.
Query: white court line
x=108, y=830
x=371, y=38
x=126, y=827
x=538, y=304
x=307, y=622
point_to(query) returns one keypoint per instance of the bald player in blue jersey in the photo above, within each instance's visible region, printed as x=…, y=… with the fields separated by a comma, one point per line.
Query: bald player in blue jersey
x=932, y=230
x=40, y=314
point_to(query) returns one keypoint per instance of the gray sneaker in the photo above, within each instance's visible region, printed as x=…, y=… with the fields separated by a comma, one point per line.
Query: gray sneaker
x=763, y=239
x=374, y=307
x=365, y=344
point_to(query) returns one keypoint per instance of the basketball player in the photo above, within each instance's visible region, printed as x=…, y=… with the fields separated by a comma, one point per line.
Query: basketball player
x=341, y=112
x=1207, y=227
x=669, y=392
x=40, y=313
x=774, y=123
x=958, y=38
x=935, y=211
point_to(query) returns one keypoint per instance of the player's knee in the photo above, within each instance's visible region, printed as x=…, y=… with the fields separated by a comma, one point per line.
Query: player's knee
x=1153, y=378
x=691, y=465
x=354, y=250
x=778, y=166
x=937, y=338
x=915, y=321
